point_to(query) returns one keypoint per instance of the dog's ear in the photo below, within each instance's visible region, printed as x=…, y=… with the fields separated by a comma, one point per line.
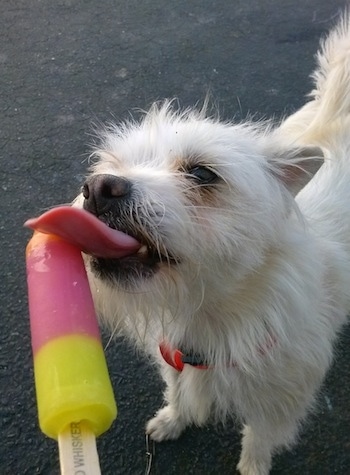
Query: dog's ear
x=296, y=167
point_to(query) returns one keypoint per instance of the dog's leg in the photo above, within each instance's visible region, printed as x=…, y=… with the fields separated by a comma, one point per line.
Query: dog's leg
x=187, y=402
x=260, y=441
x=168, y=423
x=256, y=453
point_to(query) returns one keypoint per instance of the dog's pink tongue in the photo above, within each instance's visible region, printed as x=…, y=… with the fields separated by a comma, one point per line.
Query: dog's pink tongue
x=85, y=231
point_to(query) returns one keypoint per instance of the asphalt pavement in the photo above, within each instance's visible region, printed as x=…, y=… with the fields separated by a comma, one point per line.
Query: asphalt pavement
x=68, y=64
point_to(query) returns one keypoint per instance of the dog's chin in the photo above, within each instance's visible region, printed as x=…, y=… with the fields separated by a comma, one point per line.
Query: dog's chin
x=129, y=271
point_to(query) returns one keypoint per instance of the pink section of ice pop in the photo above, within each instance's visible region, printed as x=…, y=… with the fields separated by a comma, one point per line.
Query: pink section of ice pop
x=85, y=231
x=60, y=300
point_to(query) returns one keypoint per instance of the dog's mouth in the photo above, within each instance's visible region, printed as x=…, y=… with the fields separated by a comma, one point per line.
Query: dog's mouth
x=148, y=259
x=116, y=254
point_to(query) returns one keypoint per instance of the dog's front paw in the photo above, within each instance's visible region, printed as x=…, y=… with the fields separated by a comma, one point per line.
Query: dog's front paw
x=256, y=454
x=252, y=468
x=167, y=424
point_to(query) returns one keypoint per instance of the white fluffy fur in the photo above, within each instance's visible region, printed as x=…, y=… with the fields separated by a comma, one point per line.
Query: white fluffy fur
x=256, y=264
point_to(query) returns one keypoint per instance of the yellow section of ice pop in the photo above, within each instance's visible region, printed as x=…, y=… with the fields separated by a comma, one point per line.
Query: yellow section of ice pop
x=72, y=384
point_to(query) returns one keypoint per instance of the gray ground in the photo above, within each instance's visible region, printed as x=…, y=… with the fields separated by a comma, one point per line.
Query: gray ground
x=66, y=64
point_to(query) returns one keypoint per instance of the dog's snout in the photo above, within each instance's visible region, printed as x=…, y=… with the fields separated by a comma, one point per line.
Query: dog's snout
x=102, y=191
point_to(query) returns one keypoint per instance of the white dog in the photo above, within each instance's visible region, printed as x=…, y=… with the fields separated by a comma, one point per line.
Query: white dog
x=242, y=281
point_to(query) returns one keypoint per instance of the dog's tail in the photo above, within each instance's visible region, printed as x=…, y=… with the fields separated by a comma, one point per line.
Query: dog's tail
x=332, y=77
x=328, y=113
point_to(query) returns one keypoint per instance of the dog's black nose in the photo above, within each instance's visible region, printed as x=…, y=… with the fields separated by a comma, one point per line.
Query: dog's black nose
x=101, y=192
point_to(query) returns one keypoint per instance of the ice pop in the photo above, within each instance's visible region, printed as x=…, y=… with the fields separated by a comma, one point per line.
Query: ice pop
x=74, y=394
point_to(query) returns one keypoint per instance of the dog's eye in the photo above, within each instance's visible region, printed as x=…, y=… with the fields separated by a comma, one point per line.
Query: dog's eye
x=203, y=174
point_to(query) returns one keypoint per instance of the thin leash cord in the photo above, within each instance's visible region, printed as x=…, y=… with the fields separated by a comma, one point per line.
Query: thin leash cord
x=150, y=453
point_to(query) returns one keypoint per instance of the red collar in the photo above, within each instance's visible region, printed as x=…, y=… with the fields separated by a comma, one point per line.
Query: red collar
x=177, y=359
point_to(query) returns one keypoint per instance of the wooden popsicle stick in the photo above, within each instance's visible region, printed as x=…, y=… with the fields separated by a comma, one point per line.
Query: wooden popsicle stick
x=78, y=451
